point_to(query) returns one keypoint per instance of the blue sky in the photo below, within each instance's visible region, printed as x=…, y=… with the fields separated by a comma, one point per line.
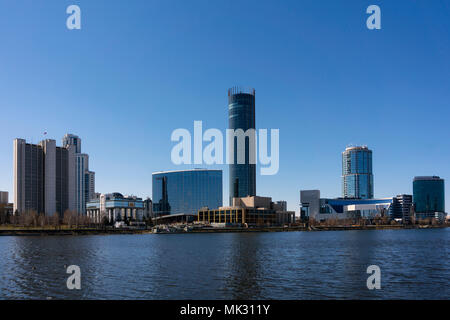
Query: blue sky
x=137, y=70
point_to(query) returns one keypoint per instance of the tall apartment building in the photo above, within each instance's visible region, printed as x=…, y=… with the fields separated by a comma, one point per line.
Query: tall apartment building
x=44, y=177
x=89, y=177
x=85, y=179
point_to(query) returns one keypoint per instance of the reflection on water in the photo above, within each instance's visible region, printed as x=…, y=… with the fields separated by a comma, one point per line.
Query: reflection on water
x=293, y=265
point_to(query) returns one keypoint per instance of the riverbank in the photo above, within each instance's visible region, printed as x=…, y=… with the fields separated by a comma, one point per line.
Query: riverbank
x=66, y=231
x=18, y=231
x=311, y=228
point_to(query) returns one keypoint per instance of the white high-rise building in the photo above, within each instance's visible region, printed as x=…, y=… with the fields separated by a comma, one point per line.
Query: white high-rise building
x=85, y=179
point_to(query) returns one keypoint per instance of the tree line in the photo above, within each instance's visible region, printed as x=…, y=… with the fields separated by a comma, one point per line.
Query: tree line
x=31, y=218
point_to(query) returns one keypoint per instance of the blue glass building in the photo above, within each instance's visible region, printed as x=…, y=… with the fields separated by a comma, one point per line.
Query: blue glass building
x=428, y=195
x=357, y=177
x=241, y=115
x=186, y=191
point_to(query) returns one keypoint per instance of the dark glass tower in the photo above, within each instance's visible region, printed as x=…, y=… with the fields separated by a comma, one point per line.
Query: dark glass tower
x=428, y=194
x=241, y=115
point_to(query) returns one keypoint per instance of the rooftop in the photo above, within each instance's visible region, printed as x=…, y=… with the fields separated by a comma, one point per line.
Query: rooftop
x=188, y=170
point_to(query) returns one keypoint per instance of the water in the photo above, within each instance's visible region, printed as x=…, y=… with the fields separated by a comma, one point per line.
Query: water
x=292, y=265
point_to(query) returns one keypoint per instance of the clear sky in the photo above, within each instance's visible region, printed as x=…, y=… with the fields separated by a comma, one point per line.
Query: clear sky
x=137, y=70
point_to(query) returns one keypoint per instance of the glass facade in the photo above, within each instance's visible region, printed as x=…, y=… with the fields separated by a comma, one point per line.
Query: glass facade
x=241, y=115
x=357, y=177
x=428, y=194
x=186, y=191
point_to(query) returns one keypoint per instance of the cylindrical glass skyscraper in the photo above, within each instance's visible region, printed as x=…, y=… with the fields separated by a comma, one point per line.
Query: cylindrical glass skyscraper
x=241, y=115
x=357, y=177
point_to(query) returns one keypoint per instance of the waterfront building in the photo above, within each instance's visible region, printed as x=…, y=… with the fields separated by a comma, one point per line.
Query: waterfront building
x=44, y=177
x=251, y=210
x=357, y=176
x=241, y=115
x=402, y=207
x=89, y=177
x=321, y=209
x=85, y=179
x=429, y=197
x=186, y=191
x=148, y=205
x=114, y=207
x=282, y=204
x=4, y=197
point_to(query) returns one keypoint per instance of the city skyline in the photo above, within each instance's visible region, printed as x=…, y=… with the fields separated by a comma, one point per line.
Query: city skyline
x=324, y=88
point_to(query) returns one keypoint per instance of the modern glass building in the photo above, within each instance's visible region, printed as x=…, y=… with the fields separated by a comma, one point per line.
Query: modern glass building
x=186, y=191
x=321, y=209
x=357, y=177
x=428, y=195
x=241, y=115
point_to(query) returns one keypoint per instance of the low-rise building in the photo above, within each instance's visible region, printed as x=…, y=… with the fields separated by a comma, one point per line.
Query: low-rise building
x=251, y=210
x=321, y=209
x=115, y=207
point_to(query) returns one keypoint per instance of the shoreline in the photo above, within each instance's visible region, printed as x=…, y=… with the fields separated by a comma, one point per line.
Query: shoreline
x=94, y=231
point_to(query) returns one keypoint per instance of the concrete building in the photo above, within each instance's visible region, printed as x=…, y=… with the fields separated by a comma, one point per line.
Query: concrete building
x=148, y=205
x=44, y=177
x=321, y=209
x=241, y=115
x=282, y=204
x=357, y=176
x=85, y=179
x=251, y=210
x=116, y=207
x=89, y=185
x=4, y=197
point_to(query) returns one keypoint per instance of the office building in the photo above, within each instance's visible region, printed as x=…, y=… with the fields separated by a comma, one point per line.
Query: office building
x=148, y=205
x=186, y=191
x=114, y=207
x=402, y=207
x=250, y=211
x=321, y=209
x=241, y=115
x=85, y=179
x=357, y=177
x=429, y=197
x=44, y=177
x=4, y=197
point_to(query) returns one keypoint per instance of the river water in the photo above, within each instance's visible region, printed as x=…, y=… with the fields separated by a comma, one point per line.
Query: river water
x=414, y=264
